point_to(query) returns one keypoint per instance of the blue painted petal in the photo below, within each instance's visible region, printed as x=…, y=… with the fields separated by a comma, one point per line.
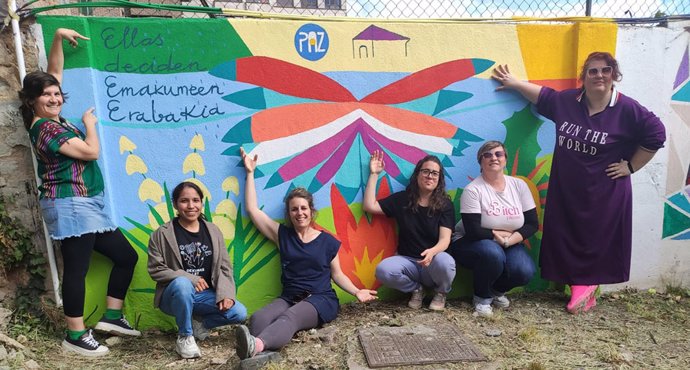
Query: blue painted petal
x=274, y=181
x=240, y=133
x=481, y=65
x=449, y=98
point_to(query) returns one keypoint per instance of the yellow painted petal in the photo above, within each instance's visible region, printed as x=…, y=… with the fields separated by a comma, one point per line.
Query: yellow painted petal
x=227, y=208
x=126, y=145
x=162, y=209
x=226, y=226
x=193, y=162
x=134, y=164
x=197, y=143
x=150, y=190
x=204, y=189
x=231, y=184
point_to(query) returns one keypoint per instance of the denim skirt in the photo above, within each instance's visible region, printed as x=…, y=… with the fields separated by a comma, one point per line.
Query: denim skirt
x=75, y=216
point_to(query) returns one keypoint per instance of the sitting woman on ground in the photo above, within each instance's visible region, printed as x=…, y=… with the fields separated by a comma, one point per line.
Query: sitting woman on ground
x=72, y=201
x=425, y=218
x=498, y=215
x=309, y=260
x=192, y=271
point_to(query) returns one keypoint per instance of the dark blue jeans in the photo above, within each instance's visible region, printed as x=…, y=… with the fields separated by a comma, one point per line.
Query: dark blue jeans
x=495, y=270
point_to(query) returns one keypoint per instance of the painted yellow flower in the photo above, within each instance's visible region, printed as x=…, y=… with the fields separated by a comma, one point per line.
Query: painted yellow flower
x=193, y=162
x=197, y=143
x=150, y=190
x=126, y=145
x=134, y=164
x=231, y=184
x=228, y=208
x=162, y=209
x=204, y=189
x=226, y=226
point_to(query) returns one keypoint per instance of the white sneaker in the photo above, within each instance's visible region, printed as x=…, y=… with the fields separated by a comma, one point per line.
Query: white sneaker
x=416, y=299
x=483, y=310
x=501, y=301
x=438, y=303
x=186, y=347
x=199, y=331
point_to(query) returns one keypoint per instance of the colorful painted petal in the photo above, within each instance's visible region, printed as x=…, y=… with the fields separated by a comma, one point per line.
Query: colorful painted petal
x=273, y=74
x=126, y=145
x=449, y=98
x=427, y=81
x=227, y=207
x=250, y=98
x=197, y=143
x=194, y=162
x=134, y=164
x=230, y=184
x=150, y=190
x=226, y=226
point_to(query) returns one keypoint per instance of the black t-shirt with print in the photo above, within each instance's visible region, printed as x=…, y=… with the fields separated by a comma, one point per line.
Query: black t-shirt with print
x=196, y=250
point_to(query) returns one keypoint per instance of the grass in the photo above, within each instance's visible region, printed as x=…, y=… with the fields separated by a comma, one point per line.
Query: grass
x=627, y=330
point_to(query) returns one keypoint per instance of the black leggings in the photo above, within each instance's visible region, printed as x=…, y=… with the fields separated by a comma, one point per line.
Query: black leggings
x=76, y=255
x=276, y=323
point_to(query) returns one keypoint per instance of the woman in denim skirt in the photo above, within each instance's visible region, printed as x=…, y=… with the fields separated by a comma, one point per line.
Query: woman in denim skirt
x=71, y=198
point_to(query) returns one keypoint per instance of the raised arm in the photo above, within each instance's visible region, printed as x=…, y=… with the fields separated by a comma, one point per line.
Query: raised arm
x=56, y=57
x=265, y=224
x=528, y=90
x=344, y=282
x=376, y=166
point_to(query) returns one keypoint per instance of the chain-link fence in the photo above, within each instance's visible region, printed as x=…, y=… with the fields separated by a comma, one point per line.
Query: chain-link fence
x=391, y=9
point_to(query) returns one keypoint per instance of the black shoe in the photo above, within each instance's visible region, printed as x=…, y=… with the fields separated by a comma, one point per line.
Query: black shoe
x=116, y=327
x=245, y=342
x=86, y=345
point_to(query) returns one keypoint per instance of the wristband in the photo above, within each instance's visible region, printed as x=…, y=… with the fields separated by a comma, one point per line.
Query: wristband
x=630, y=168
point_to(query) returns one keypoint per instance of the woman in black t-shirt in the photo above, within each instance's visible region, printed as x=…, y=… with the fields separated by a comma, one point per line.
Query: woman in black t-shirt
x=425, y=218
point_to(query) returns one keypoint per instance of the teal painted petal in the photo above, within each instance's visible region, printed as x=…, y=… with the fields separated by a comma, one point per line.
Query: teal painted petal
x=275, y=180
x=314, y=186
x=463, y=135
x=446, y=161
x=233, y=151
x=240, y=133
x=424, y=105
x=481, y=65
x=225, y=70
x=683, y=94
x=681, y=201
x=250, y=98
x=348, y=193
x=275, y=99
x=449, y=98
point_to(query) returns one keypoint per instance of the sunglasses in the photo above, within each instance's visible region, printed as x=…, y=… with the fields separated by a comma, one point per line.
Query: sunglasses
x=429, y=173
x=498, y=154
x=605, y=71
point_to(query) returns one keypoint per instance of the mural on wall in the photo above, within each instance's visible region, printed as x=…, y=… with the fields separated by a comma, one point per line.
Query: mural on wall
x=677, y=207
x=176, y=99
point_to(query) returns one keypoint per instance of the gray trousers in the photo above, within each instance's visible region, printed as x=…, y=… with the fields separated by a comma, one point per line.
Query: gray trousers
x=406, y=274
x=277, y=322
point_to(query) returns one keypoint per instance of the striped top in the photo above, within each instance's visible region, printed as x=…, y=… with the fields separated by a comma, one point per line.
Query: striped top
x=62, y=176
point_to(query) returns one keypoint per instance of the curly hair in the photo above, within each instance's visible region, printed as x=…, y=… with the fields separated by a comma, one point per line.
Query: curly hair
x=438, y=198
x=299, y=193
x=33, y=86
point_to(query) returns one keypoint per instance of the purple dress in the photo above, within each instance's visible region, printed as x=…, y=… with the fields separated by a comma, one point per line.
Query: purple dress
x=588, y=217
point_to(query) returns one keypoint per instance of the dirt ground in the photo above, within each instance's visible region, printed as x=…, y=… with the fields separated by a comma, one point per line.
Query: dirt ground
x=627, y=330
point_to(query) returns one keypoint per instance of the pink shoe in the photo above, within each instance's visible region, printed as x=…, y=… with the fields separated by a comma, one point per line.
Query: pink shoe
x=590, y=304
x=581, y=297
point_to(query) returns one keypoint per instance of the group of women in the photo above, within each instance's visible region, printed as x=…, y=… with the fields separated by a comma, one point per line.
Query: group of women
x=586, y=236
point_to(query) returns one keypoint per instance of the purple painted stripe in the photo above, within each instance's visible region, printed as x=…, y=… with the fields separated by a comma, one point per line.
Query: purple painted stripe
x=371, y=145
x=683, y=70
x=314, y=155
x=333, y=163
x=379, y=34
x=407, y=152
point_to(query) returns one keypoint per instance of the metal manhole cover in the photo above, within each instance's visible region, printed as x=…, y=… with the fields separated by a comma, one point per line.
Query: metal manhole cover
x=416, y=345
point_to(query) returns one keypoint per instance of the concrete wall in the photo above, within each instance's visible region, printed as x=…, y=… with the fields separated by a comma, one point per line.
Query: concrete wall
x=196, y=135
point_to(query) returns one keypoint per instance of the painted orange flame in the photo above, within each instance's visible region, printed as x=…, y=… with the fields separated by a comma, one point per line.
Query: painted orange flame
x=364, y=243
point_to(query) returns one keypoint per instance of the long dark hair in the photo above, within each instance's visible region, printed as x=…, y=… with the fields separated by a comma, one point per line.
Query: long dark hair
x=34, y=85
x=438, y=197
x=188, y=184
x=299, y=193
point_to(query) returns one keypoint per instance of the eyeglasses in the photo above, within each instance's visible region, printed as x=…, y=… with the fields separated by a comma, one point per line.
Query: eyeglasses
x=429, y=173
x=498, y=154
x=605, y=71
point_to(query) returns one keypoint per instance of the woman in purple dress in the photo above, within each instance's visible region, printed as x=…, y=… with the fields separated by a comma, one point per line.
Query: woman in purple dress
x=602, y=138
x=309, y=260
